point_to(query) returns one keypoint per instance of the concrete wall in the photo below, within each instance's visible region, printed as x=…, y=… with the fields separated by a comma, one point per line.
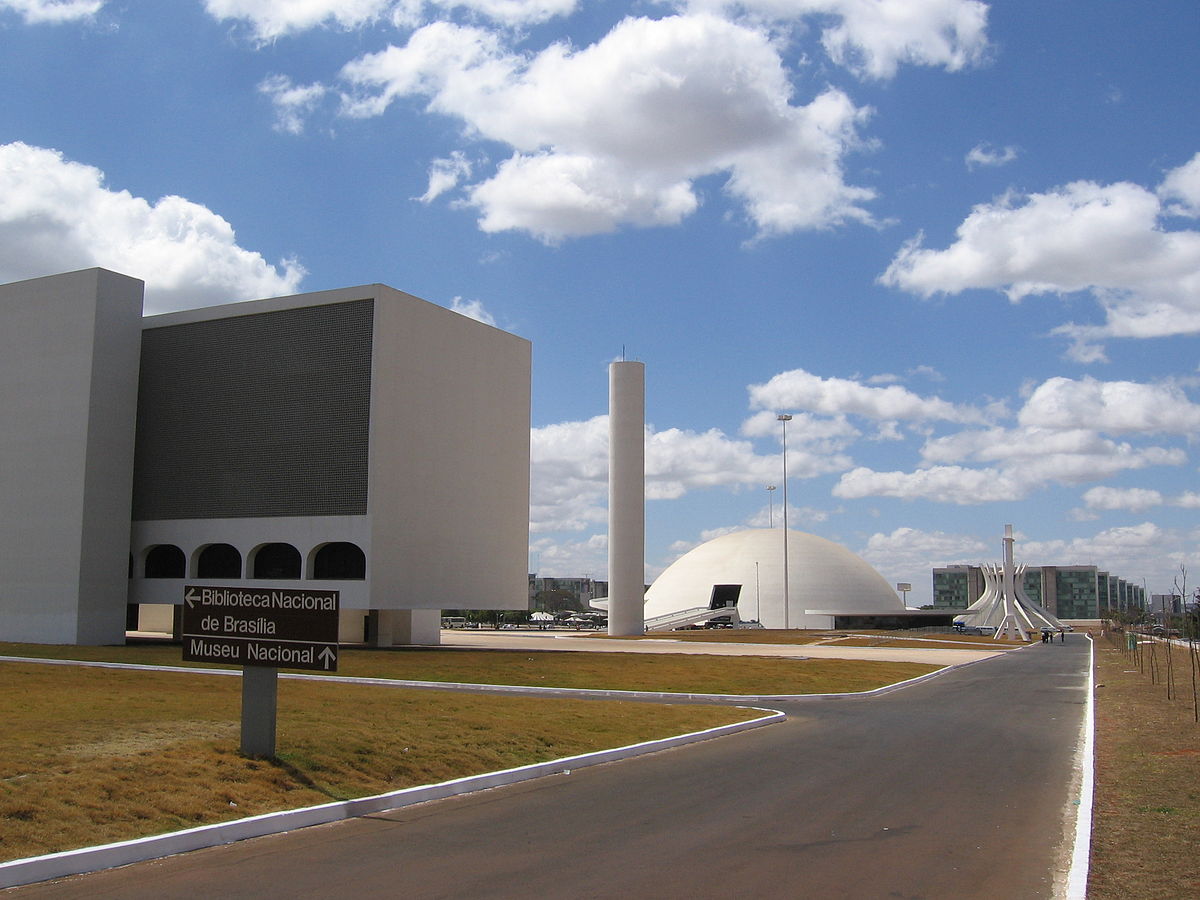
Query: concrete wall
x=449, y=467
x=69, y=349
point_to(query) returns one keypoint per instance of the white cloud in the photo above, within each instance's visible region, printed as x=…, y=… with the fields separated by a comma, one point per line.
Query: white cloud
x=990, y=157
x=928, y=372
x=617, y=133
x=271, y=19
x=874, y=37
x=472, y=309
x=941, y=484
x=1183, y=185
x=1187, y=500
x=801, y=390
x=1131, y=499
x=445, y=174
x=52, y=12
x=569, y=469
x=57, y=215
x=292, y=102
x=1105, y=239
x=1030, y=447
x=568, y=475
x=1117, y=407
x=910, y=554
x=1120, y=550
x=570, y=559
x=511, y=12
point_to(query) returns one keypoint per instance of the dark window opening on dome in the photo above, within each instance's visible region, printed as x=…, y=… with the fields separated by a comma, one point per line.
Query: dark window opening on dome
x=724, y=595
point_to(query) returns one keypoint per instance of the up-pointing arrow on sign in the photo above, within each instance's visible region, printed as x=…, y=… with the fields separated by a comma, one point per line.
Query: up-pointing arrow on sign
x=328, y=657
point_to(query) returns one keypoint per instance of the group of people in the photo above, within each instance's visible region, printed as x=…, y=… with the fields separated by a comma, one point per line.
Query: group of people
x=1048, y=636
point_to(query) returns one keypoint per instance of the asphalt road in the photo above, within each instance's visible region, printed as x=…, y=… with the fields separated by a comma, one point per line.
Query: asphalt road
x=957, y=787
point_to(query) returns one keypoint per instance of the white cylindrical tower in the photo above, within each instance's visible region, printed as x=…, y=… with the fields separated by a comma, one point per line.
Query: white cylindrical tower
x=626, y=497
x=1010, y=592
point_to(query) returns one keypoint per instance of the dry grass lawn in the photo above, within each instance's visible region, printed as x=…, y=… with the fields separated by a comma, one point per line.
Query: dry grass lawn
x=1146, y=819
x=546, y=668
x=97, y=755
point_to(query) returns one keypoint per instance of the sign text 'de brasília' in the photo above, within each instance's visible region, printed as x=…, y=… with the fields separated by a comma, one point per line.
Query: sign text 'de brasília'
x=281, y=627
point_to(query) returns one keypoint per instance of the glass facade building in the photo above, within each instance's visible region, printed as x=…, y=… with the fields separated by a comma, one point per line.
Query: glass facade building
x=1067, y=592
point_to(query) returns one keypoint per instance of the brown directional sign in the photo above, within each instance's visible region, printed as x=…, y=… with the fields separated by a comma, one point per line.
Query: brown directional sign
x=279, y=627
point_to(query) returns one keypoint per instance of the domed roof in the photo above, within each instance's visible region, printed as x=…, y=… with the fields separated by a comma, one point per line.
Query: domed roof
x=822, y=577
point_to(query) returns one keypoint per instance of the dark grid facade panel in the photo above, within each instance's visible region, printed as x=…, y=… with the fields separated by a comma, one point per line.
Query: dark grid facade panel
x=258, y=415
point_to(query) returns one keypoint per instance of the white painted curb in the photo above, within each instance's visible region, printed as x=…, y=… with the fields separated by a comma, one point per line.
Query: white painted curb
x=1086, y=761
x=107, y=856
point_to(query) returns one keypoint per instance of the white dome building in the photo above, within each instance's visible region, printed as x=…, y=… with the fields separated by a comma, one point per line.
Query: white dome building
x=747, y=567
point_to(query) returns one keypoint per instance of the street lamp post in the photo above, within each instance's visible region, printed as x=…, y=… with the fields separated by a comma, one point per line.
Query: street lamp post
x=771, y=506
x=784, y=418
x=757, y=595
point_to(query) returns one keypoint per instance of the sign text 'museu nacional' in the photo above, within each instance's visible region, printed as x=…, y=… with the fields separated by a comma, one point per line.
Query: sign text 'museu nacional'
x=278, y=627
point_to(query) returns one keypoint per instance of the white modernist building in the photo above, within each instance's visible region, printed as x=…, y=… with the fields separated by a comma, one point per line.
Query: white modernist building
x=745, y=569
x=359, y=440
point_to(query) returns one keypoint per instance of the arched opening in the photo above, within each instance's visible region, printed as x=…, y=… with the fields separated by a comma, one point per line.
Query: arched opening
x=219, y=561
x=340, y=561
x=165, y=561
x=277, y=561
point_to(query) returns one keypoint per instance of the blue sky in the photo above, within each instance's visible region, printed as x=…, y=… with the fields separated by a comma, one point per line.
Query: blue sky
x=958, y=241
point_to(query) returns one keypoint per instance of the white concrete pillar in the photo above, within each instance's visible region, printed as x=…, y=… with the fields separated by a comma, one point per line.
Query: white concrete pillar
x=626, y=497
x=1009, y=568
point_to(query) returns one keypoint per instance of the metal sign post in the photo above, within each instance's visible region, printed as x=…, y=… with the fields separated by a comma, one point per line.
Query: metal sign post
x=263, y=630
x=260, y=694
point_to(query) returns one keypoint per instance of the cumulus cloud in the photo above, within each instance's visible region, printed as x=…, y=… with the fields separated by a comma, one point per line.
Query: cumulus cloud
x=801, y=390
x=989, y=157
x=1116, y=407
x=910, y=554
x=271, y=19
x=1108, y=240
x=618, y=132
x=472, y=309
x=1060, y=438
x=874, y=37
x=1120, y=550
x=52, y=12
x=1132, y=499
x=1182, y=186
x=445, y=174
x=57, y=215
x=292, y=103
x=569, y=469
x=940, y=484
x=569, y=559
